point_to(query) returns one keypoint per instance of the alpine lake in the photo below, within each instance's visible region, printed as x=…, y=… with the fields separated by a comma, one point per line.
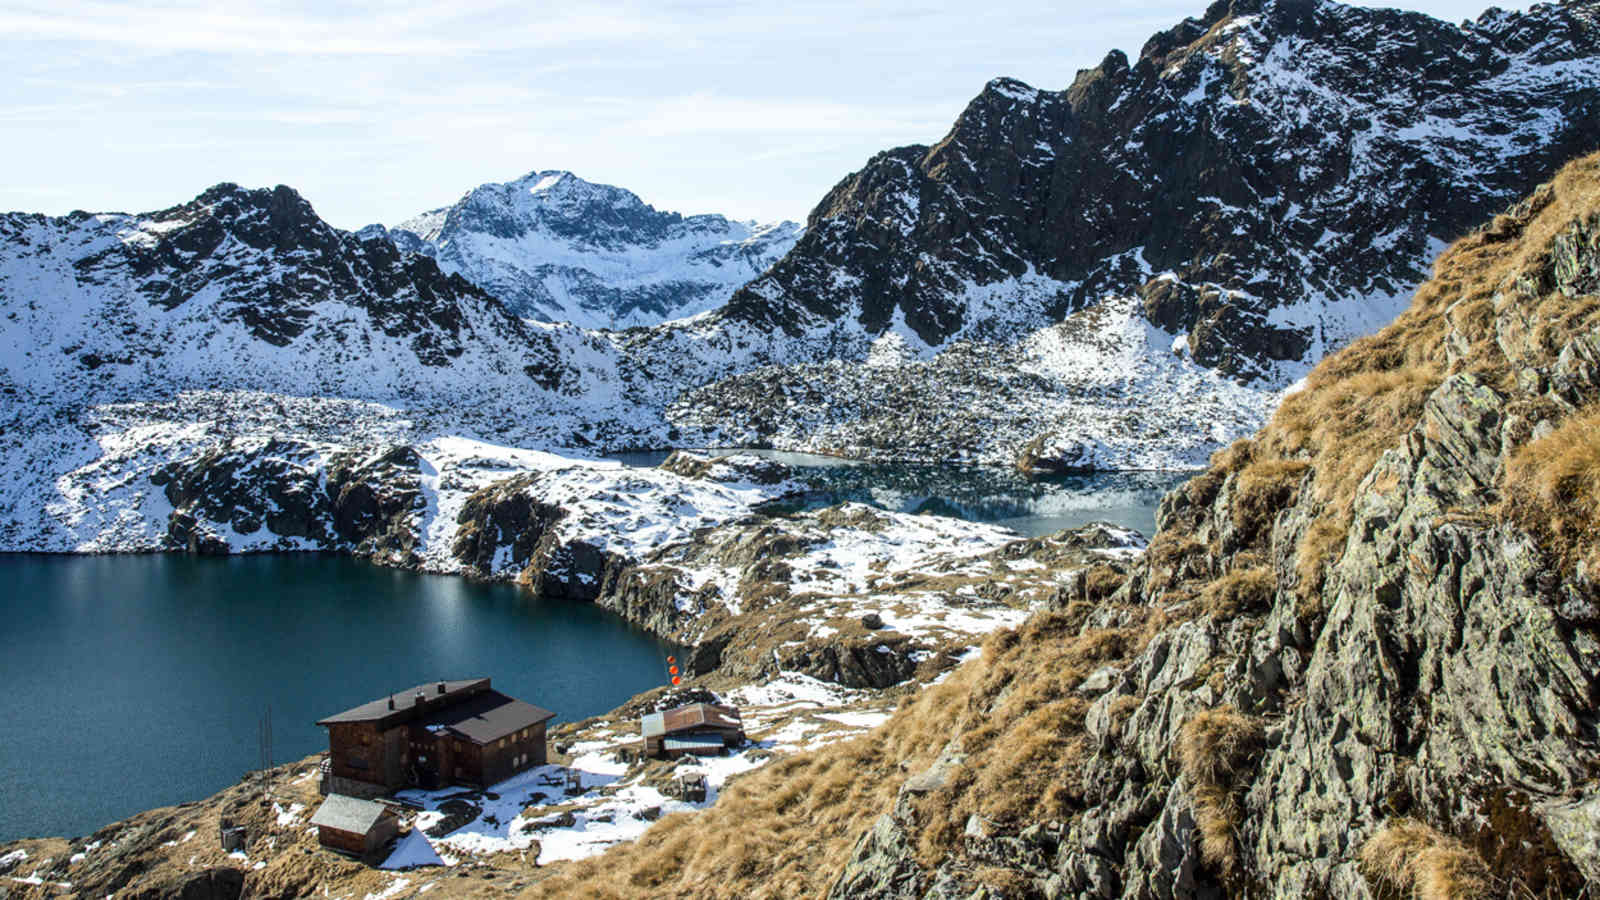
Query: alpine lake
x=137, y=681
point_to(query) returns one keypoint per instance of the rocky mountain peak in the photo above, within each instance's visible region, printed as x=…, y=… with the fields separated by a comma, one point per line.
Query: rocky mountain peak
x=553, y=246
x=276, y=217
x=1287, y=168
x=562, y=188
x=246, y=288
x=556, y=203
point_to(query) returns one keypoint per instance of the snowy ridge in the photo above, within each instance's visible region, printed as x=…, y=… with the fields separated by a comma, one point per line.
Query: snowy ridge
x=248, y=290
x=557, y=248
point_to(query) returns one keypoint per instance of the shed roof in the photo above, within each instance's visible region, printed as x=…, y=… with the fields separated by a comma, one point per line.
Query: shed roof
x=695, y=715
x=405, y=701
x=344, y=813
x=486, y=716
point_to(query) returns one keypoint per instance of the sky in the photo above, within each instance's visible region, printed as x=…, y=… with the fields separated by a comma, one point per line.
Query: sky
x=379, y=110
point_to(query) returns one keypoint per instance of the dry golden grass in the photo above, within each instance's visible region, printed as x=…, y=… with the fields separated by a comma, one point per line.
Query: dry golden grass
x=1261, y=489
x=1101, y=581
x=1215, y=751
x=1240, y=591
x=1552, y=488
x=1408, y=859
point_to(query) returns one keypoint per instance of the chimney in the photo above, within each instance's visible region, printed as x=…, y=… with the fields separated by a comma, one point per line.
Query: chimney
x=441, y=687
x=391, y=701
x=421, y=698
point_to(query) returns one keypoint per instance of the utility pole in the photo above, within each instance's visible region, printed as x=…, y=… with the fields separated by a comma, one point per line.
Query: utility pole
x=264, y=741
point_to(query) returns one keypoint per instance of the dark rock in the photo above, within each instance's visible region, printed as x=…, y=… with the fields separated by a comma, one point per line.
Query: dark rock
x=219, y=883
x=880, y=663
x=883, y=865
x=356, y=501
x=458, y=813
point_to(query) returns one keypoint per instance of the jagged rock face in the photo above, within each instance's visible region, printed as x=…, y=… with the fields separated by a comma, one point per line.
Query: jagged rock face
x=248, y=289
x=551, y=565
x=304, y=496
x=557, y=248
x=1288, y=169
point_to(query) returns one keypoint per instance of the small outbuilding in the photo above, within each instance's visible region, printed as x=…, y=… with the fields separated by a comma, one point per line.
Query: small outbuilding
x=355, y=826
x=699, y=729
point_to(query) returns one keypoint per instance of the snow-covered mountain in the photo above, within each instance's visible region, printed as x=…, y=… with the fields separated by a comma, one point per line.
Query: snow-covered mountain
x=1258, y=187
x=557, y=248
x=249, y=290
x=1122, y=274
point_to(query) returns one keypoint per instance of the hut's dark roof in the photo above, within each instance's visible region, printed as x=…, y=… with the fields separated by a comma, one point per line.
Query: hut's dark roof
x=377, y=710
x=695, y=715
x=485, y=716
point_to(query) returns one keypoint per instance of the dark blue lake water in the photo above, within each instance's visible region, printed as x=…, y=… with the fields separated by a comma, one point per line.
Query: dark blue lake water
x=140, y=681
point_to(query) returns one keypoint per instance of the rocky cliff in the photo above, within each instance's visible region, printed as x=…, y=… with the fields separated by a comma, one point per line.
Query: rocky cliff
x=1358, y=659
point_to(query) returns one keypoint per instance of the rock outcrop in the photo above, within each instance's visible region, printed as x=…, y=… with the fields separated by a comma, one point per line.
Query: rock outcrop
x=304, y=496
x=849, y=594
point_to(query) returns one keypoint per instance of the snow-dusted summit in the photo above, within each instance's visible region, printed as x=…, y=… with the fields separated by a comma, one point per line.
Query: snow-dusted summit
x=557, y=248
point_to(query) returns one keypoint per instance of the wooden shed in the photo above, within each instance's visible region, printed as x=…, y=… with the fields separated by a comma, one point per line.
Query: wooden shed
x=355, y=826
x=699, y=729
